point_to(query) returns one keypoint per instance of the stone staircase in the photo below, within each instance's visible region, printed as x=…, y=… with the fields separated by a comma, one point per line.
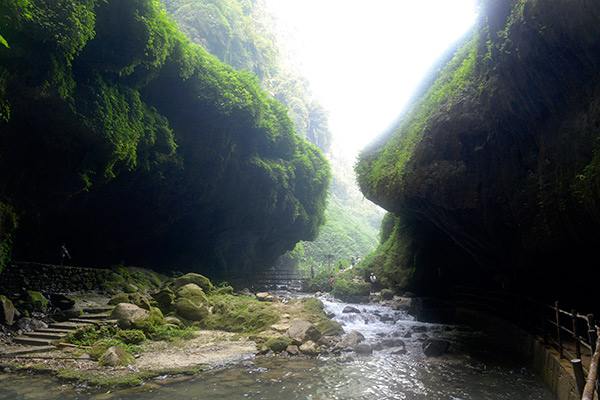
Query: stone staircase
x=47, y=339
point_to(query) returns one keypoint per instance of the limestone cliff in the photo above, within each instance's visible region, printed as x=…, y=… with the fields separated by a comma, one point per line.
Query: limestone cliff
x=494, y=173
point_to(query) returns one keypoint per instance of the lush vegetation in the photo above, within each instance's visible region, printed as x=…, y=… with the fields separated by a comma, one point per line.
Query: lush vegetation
x=128, y=143
x=240, y=33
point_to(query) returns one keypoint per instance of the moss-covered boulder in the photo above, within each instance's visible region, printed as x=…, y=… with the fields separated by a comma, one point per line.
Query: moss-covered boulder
x=329, y=327
x=36, y=301
x=278, y=344
x=192, y=292
x=190, y=310
x=116, y=356
x=7, y=310
x=196, y=279
x=127, y=315
x=151, y=322
x=131, y=336
x=165, y=299
x=224, y=290
x=133, y=298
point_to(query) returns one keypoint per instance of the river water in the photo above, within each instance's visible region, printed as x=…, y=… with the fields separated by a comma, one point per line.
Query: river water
x=477, y=368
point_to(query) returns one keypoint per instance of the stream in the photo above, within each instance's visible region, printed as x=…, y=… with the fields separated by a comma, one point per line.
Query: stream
x=477, y=368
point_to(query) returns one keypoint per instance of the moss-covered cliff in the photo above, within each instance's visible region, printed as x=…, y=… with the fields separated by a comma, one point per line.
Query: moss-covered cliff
x=128, y=143
x=493, y=174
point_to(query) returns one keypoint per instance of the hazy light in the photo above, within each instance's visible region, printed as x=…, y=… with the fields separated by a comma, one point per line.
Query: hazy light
x=364, y=59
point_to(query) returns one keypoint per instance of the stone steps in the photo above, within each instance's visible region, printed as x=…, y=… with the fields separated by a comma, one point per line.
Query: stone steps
x=98, y=310
x=70, y=326
x=94, y=316
x=46, y=335
x=18, y=351
x=54, y=330
x=30, y=341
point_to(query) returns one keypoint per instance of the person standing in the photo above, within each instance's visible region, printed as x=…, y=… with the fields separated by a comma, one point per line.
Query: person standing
x=64, y=254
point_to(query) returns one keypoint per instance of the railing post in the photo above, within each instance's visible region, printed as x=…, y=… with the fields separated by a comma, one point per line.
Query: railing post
x=558, y=335
x=592, y=378
x=579, y=378
x=591, y=322
x=577, y=344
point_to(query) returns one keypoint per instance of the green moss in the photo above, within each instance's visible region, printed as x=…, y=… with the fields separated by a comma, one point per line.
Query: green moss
x=329, y=327
x=190, y=310
x=37, y=300
x=350, y=288
x=200, y=280
x=242, y=314
x=193, y=293
x=171, y=333
x=278, y=344
x=123, y=356
x=131, y=336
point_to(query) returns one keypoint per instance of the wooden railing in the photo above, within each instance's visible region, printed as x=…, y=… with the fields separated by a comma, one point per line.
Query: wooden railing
x=575, y=336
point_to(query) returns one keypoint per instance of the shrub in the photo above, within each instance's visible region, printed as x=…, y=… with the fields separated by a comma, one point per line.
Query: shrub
x=278, y=344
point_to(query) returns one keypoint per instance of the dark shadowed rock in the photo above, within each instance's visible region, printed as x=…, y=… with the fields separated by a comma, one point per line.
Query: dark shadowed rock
x=363, y=349
x=350, y=310
x=435, y=348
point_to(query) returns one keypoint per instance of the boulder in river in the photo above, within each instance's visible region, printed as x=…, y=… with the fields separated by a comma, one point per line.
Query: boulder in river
x=350, y=309
x=398, y=350
x=363, y=349
x=310, y=348
x=7, y=310
x=128, y=314
x=393, y=342
x=301, y=331
x=435, y=348
x=351, y=340
x=293, y=350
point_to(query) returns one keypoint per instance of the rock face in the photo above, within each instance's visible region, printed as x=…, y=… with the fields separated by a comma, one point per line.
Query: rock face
x=301, y=331
x=128, y=314
x=7, y=310
x=493, y=174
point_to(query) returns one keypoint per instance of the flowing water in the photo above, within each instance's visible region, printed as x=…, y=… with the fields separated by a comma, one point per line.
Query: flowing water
x=478, y=368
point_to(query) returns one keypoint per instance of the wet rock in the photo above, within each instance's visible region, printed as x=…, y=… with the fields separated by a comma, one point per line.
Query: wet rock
x=330, y=314
x=351, y=340
x=329, y=341
x=423, y=337
x=310, y=348
x=407, y=334
x=350, y=309
x=128, y=314
x=377, y=346
x=393, y=342
x=265, y=296
x=418, y=329
x=398, y=351
x=380, y=334
x=7, y=311
x=435, y=348
x=293, y=350
x=301, y=331
x=386, y=294
x=386, y=318
x=363, y=349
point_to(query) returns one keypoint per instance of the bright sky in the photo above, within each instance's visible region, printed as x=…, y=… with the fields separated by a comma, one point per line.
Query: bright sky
x=365, y=58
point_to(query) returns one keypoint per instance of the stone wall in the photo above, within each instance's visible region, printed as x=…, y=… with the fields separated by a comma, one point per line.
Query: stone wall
x=51, y=278
x=557, y=374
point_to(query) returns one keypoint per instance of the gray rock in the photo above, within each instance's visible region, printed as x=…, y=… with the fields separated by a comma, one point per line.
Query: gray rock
x=310, y=348
x=128, y=314
x=435, y=348
x=30, y=324
x=293, y=350
x=398, y=351
x=393, y=342
x=418, y=329
x=7, y=311
x=363, y=349
x=302, y=331
x=115, y=356
x=351, y=340
x=350, y=309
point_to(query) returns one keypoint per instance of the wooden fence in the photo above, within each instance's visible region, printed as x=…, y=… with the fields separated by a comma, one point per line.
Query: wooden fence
x=574, y=335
